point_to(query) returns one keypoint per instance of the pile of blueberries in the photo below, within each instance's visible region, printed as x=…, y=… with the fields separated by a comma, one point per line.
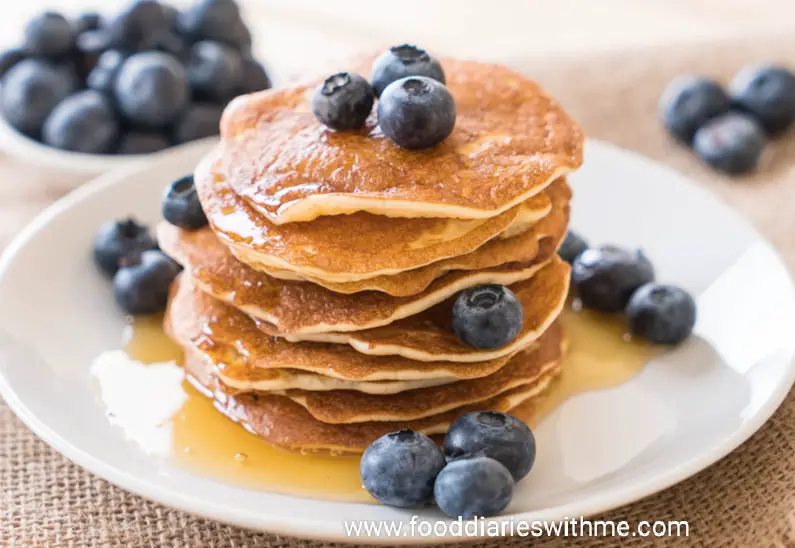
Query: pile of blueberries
x=139, y=81
x=415, y=108
x=729, y=130
x=612, y=279
x=484, y=454
x=126, y=251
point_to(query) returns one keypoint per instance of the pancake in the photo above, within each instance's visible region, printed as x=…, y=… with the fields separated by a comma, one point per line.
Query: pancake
x=304, y=307
x=347, y=248
x=510, y=140
x=232, y=340
x=346, y=406
x=242, y=378
x=520, y=249
x=428, y=336
x=280, y=421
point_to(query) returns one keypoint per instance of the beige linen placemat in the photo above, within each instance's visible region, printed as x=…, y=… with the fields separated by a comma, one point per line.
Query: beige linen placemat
x=744, y=500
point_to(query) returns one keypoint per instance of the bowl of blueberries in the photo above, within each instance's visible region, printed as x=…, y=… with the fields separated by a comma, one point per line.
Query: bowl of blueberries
x=100, y=91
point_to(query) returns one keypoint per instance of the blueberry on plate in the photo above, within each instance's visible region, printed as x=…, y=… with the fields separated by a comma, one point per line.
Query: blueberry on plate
x=116, y=240
x=136, y=27
x=732, y=143
x=171, y=15
x=84, y=122
x=606, y=277
x=172, y=43
x=499, y=436
x=399, y=469
x=217, y=20
x=343, y=101
x=572, y=247
x=142, y=142
x=767, y=93
x=151, y=89
x=416, y=112
x=31, y=89
x=255, y=77
x=181, y=205
x=142, y=284
x=473, y=487
x=199, y=121
x=689, y=102
x=10, y=58
x=402, y=61
x=103, y=75
x=49, y=35
x=487, y=316
x=662, y=314
x=90, y=20
x=215, y=71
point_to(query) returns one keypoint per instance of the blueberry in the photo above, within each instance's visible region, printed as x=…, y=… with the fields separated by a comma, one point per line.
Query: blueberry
x=117, y=240
x=402, y=61
x=399, y=469
x=473, y=486
x=767, y=93
x=103, y=75
x=255, y=78
x=83, y=122
x=662, y=314
x=416, y=112
x=10, y=58
x=141, y=285
x=689, y=102
x=732, y=143
x=501, y=437
x=181, y=205
x=606, y=277
x=199, y=121
x=140, y=142
x=172, y=43
x=89, y=20
x=49, y=35
x=136, y=27
x=343, y=101
x=487, y=317
x=217, y=20
x=171, y=15
x=90, y=46
x=31, y=89
x=151, y=89
x=215, y=71
x=572, y=247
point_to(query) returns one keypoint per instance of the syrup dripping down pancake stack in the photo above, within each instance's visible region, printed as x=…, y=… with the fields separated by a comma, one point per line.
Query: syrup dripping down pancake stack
x=316, y=307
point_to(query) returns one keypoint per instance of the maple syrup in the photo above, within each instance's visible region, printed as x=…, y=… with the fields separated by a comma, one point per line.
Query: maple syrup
x=599, y=355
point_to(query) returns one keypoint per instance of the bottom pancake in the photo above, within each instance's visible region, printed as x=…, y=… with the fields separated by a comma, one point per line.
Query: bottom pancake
x=280, y=421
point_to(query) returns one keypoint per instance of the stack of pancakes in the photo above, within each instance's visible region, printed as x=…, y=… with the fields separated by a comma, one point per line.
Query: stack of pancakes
x=316, y=307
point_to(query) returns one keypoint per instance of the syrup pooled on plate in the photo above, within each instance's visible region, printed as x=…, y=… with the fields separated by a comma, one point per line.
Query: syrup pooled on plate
x=599, y=355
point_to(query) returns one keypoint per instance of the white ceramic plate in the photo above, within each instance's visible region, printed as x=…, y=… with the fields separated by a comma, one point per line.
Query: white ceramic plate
x=597, y=451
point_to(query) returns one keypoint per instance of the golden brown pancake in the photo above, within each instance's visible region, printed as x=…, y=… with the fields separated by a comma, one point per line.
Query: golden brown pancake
x=304, y=307
x=347, y=406
x=281, y=421
x=510, y=140
x=428, y=336
x=520, y=249
x=346, y=248
x=232, y=340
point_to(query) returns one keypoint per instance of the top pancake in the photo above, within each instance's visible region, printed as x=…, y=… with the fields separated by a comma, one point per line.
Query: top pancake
x=510, y=140
x=347, y=248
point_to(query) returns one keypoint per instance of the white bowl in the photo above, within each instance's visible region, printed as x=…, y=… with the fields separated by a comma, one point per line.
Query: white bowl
x=27, y=150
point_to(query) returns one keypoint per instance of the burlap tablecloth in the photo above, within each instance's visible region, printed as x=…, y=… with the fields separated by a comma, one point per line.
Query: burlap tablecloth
x=744, y=500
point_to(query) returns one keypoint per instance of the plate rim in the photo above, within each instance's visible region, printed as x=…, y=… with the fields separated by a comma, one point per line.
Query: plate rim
x=307, y=528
